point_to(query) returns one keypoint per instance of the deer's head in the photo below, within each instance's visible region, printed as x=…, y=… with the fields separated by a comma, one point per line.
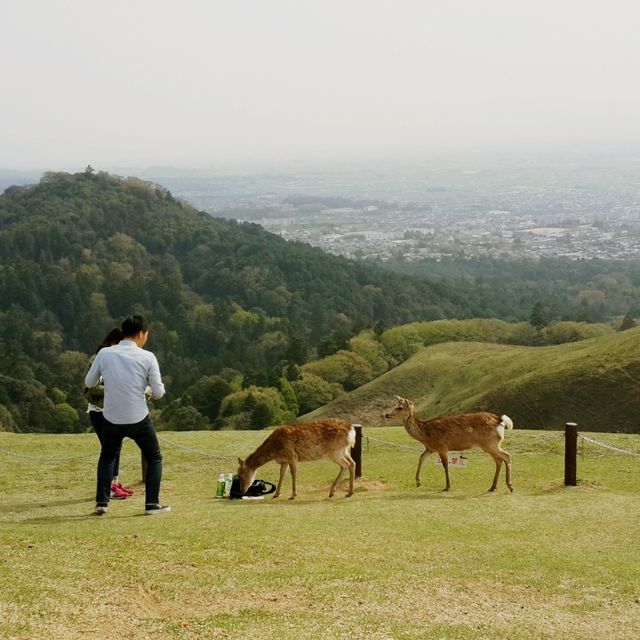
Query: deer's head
x=246, y=475
x=402, y=407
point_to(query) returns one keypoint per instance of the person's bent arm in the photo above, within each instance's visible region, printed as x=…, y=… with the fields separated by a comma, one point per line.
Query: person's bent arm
x=155, y=381
x=93, y=375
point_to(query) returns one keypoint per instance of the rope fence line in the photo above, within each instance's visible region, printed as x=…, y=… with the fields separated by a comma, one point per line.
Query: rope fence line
x=43, y=459
x=392, y=444
x=97, y=453
x=206, y=454
x=627, y=452
x=368, y=438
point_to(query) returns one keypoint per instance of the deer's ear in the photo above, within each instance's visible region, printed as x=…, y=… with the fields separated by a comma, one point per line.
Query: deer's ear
x=398, y=398
x=240, y=461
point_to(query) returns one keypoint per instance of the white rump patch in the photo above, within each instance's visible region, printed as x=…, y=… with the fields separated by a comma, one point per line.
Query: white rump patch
x=351, y=438
x=506, y=422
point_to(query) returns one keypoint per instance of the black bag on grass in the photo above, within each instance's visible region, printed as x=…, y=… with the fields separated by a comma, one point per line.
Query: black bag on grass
x=258, y=488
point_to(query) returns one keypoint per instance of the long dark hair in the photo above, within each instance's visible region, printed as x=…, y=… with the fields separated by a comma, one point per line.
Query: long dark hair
x=113, y=337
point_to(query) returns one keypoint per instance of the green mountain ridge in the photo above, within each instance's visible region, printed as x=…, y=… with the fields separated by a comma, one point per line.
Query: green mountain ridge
x=227, y=301
x=594, y=382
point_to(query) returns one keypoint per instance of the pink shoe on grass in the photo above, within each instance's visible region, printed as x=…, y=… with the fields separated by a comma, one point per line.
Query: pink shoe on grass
x=117, y=493
x=128, y=490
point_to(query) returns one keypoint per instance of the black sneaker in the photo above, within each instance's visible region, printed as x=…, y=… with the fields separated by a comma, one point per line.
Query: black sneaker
x=153, y=509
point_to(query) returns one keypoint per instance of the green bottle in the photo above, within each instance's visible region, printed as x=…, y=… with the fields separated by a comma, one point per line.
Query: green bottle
x=220, y=487
x=227, y=485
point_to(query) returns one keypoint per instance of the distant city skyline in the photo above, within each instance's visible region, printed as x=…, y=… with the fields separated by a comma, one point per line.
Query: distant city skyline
x=257, y=84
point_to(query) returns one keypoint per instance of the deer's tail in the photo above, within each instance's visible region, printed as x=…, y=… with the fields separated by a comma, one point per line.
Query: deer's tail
x=506, y=422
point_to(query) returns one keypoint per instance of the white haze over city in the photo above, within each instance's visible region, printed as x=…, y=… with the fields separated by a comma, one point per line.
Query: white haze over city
x=203, y=83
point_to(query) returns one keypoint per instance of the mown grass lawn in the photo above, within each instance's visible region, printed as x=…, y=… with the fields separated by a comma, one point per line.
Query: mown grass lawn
x=393, y=561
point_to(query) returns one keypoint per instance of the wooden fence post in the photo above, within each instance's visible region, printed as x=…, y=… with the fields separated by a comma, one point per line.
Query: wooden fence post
x=570, y=454
x=356, y=451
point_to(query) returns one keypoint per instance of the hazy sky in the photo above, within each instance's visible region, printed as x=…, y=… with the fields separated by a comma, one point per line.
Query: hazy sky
x=209, y=83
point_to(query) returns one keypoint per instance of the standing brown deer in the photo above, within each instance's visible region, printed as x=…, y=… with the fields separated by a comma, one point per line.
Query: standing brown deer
x=457, y=433
x=300, y=443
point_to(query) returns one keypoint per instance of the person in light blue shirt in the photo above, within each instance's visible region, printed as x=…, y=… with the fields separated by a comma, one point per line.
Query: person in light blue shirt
x=128, y=372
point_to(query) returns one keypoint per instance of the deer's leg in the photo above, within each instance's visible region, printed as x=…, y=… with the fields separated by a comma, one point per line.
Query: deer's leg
x=507, y=463
x=352, y=474
x=293, y=467
x=346, y=461
x=335, y=482
x=283, y=470
x=423, y=455
x=444, y=458
x=498, y=460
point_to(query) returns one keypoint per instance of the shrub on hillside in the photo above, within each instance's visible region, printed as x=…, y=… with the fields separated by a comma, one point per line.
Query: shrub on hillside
x=207, y=394
x=179, y=417
x=67, y=418
x=345, y=368
x=562, y=332
x=402, y=342
x=556, y=333
x=312, y=391
x=259, y=407
x=366, y=345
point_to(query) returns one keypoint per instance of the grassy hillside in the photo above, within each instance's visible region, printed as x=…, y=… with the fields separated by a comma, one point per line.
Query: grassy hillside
x=394, y=561
x=595, y=383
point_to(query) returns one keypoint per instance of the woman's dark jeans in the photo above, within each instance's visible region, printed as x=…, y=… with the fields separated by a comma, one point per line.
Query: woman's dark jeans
x=97, y=420
x=144, y=435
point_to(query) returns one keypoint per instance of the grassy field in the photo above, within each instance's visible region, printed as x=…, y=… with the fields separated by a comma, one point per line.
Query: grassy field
x=393, y=561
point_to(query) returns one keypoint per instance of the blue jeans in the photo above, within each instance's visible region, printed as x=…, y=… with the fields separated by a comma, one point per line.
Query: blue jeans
x=144, y=435
x=97, y=420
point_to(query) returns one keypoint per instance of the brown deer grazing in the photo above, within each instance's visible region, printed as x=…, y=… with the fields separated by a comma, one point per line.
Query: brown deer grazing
x=457, y=433
x=300, y=443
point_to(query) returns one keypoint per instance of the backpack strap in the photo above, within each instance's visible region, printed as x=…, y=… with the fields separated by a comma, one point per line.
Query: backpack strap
x=269, y=487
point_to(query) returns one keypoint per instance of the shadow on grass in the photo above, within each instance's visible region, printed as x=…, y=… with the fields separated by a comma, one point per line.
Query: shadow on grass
x=75, y=517
x=55, y=517
x=19, y=507
x=450, y=495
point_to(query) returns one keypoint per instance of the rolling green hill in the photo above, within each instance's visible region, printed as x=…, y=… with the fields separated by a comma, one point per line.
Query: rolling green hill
x=595, y=383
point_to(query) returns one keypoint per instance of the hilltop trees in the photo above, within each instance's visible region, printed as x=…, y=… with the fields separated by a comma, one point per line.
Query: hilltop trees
x=80, y=252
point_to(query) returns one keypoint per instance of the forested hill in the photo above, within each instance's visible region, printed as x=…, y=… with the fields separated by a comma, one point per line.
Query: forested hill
x=78, y=252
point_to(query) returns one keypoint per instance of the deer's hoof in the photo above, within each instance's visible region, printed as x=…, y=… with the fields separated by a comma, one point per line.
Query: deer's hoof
x=491, y=489
x=349, y=494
